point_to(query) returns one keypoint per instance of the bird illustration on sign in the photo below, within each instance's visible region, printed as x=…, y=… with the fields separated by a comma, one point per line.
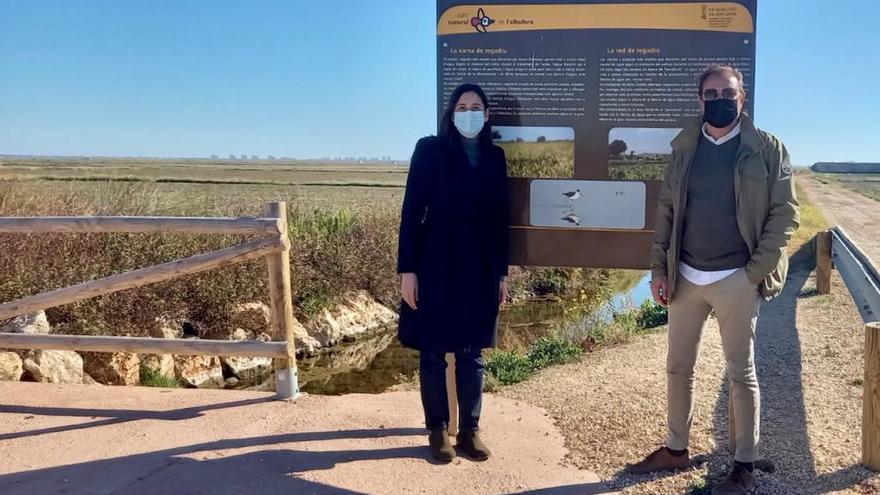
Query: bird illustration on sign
x=481, y=21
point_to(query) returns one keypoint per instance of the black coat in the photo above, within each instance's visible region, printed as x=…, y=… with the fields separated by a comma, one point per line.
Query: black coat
x=454, y=237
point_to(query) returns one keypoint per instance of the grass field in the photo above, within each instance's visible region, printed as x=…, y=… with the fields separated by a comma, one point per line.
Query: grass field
x=637, y=169
x=864, y=184
x=204, y=171
x=554, y=159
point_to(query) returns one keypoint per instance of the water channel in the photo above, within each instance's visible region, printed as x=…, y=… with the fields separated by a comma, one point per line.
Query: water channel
x=377, y=362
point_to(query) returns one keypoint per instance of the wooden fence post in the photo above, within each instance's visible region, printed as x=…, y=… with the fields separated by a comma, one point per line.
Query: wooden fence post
x=871, y=398
x=824, y=263
x=286, y=379
x=451, y=394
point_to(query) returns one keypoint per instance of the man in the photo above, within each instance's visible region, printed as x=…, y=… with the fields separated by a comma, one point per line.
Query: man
x=726, y=212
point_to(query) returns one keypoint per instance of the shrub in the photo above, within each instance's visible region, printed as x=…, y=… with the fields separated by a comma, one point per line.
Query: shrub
x=652, y=315
x=150, y=378
x=508, y=367
x=548, y=351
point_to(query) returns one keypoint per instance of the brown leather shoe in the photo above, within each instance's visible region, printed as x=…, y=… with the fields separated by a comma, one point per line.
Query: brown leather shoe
x=740, y=481
x=469, y=441
x=660, y=460
x=441, y=447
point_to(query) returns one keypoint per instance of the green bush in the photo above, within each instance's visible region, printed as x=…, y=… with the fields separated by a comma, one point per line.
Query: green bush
x=508, y=367
x=548, y=351
x=652, y=315
x=150, y=378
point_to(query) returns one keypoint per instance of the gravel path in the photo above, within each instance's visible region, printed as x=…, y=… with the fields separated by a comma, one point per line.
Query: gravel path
x=611, y=405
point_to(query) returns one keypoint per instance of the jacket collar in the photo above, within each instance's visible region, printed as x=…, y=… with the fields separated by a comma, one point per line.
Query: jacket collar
x=689, y=137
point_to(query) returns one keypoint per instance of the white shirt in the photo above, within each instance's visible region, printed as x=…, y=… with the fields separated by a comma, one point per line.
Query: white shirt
x=700, y=277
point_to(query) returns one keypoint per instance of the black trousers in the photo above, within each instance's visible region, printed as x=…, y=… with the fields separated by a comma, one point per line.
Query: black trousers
x=468, y=381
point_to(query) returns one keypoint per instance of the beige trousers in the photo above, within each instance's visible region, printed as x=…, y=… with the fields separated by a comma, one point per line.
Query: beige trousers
x=735, y=302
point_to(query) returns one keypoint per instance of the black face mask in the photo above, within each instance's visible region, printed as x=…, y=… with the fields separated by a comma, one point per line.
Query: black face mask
x=720, y=113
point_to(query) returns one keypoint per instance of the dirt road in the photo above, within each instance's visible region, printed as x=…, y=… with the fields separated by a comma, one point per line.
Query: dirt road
x=87, y=439
x=857, y=214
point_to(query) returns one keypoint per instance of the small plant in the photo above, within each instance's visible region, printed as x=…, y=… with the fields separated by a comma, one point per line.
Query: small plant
x=548, y=351
x=152, y=378
x=652, y=315
x=699, y=487
x=508, y=367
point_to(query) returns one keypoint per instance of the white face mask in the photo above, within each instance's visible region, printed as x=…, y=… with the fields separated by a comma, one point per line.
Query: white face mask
x=470, y=123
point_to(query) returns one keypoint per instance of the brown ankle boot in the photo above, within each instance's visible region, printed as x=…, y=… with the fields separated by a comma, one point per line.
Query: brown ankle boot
x=441, y=447
x=469, y=441
x=660, y=460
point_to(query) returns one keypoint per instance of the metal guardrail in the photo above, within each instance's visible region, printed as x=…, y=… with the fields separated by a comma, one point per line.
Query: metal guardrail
x=835, y=249
x=859, y=273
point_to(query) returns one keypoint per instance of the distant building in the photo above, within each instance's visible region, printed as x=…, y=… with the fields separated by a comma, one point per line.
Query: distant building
x=254, y=157
x=244, y=157
x=214, y=157
x=270, y=157
x=232, y=157
x=846, y=167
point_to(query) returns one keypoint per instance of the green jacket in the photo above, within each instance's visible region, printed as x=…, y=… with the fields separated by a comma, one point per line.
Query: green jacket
x=766, y=206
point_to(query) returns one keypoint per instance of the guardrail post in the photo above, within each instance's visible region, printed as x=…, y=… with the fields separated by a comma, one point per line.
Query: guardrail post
x=871, y=398
x=824, y=263
x=286, y=379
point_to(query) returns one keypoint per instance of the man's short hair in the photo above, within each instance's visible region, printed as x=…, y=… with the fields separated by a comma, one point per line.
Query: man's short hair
x=722, y=70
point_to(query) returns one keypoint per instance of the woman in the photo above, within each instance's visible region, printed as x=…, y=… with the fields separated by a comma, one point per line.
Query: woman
x=452, y=258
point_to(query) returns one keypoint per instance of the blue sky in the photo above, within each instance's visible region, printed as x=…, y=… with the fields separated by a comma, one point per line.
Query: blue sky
x=348, y=77
x=658, y=141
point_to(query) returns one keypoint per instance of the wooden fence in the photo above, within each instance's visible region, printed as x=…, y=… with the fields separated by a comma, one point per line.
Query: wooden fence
x=835, y=249
x=273, y=244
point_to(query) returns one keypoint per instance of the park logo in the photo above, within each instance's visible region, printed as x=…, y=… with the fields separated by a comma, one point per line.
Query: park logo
x=703, y=14
x=481, y=21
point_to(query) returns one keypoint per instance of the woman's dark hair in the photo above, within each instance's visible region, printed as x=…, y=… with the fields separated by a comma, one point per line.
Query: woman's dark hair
x=448, y=133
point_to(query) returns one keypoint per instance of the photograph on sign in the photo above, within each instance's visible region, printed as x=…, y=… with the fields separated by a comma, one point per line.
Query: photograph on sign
x=587, y=204
x=536, y=151
x=639, y=153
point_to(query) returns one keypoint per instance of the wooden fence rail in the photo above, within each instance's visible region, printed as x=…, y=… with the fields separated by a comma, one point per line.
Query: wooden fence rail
x=274, y=246
x=835, y=249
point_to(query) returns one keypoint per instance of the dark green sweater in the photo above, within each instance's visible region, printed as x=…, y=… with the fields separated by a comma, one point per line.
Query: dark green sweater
x=711, y=240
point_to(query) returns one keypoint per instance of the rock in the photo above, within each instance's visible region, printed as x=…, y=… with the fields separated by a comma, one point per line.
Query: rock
x=254, y=321
x=168, y=327
x=358, y=313
x=54, y=366
x=253, y=318
x=11, y=366
x=35, y=323
x=231, y=382
x=117, y=368
x=199, y=371
x=158, y=364
x=305, y=344
x=87, y=380
x=247, y=368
